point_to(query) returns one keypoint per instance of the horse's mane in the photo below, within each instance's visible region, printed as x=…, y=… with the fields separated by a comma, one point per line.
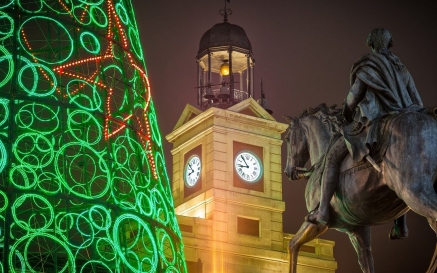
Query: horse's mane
x=332, y=116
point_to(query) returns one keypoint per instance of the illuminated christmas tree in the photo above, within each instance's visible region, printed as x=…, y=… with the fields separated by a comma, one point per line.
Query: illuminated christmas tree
x=83, y=182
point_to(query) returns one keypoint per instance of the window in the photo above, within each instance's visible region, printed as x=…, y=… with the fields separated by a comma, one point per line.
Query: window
x=186, y=228
x=194, y=267
x=248, y=226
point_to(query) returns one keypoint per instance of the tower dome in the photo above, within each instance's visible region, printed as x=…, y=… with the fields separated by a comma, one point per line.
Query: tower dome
x=225, y=34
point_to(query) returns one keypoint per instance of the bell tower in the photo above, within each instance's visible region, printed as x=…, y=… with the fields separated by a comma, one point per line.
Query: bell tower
x=227, y=173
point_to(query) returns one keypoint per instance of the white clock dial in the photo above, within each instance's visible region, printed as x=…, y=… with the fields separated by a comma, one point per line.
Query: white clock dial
x=192, y=170
x=248, y=166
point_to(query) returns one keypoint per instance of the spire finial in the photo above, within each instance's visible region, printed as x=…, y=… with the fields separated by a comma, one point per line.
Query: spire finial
x=263, y=96
x=263, y=101
x=225, y=12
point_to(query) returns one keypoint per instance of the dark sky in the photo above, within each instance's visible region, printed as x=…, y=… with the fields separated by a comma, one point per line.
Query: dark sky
x=303, y=52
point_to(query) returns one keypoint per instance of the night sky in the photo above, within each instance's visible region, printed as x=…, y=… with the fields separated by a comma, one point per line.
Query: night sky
x=303, y=52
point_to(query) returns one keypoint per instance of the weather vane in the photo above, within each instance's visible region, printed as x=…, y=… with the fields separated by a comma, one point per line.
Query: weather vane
x=225, y=12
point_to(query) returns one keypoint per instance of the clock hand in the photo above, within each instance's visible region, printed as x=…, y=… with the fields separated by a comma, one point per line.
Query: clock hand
x=239, y=165
x=247, y=166
x=192, y=171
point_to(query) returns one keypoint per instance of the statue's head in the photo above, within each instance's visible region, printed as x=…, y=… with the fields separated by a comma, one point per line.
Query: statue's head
x=379, y=38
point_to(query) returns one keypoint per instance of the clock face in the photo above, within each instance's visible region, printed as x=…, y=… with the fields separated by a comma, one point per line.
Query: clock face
x=192, y=170
x=248, y=167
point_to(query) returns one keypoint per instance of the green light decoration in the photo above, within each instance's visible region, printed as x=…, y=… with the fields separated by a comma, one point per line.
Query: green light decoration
x=83, y=182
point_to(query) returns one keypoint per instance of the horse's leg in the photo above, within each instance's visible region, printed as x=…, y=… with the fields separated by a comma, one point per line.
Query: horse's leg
x=360, y=239
x=420, y=197
x=307, y=232
x=400, y=229
x=433, y=265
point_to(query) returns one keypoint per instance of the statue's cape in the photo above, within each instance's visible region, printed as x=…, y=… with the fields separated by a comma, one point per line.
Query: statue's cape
x=389, y=90
x=394, y=89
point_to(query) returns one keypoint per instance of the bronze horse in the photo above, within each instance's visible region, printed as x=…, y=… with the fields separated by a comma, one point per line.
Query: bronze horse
x=364, y=196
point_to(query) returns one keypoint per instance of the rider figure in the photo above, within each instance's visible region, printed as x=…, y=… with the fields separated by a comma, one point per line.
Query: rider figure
x=380, y=85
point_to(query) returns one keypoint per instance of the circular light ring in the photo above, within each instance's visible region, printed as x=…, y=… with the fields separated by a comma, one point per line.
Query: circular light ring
x=32, y=91
x=23, y=171
x=59, y=27
x=33, y=3
x=94, y=39
x=165, y=242
x=161, y=170
x=6, y=57
x=98, y=16
x=65, y=6
x=92, y=2
x=144, y=202
x=3, y=156
x=135, y=43
x=102, y=172
x=103, y=214
x=172, y=269
x=80, y=13
x=38, y=118
x=76, y=227
x=84, y=127
x=154, y=128
x=27, y=239
x=48, y=183
x=4, y=200
x=103, y=243
x=6, y=4
x=122, y=13
x=63, y=222
x=150, y=252
x=161, y=208
x=163, y=180
x=10, y=30
x=92, y=263
x=20, y=258
x=29, y=226
x=29, y=157
x=121, y=155
x=4, y=111
x=82, y=100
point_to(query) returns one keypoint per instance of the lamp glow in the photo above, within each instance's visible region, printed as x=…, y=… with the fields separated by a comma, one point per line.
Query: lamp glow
x=224, y=68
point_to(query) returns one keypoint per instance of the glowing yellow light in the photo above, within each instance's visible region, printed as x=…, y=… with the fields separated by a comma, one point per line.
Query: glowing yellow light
x=224, y=68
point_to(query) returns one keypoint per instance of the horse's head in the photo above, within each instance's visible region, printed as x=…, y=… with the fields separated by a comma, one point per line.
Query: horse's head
x=297, y=148
x=308, y=137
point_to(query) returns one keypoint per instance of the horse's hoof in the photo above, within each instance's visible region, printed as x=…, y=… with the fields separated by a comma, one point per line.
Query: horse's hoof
x=397, y=234
x=317, y=218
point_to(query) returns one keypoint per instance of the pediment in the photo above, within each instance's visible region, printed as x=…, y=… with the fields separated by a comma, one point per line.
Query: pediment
x=251, y=108
x=188, y=114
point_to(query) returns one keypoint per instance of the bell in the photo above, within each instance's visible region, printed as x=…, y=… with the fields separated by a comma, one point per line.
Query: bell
x=224, y=92
x=209, y=94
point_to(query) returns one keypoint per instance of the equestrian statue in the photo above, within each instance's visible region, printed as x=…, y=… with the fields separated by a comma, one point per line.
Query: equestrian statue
x=371, y=161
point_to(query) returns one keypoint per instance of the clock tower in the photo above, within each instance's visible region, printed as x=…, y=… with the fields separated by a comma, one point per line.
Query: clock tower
x=227, y=173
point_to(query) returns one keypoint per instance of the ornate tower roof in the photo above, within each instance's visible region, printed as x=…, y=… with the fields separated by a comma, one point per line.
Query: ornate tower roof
x=224, y=34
